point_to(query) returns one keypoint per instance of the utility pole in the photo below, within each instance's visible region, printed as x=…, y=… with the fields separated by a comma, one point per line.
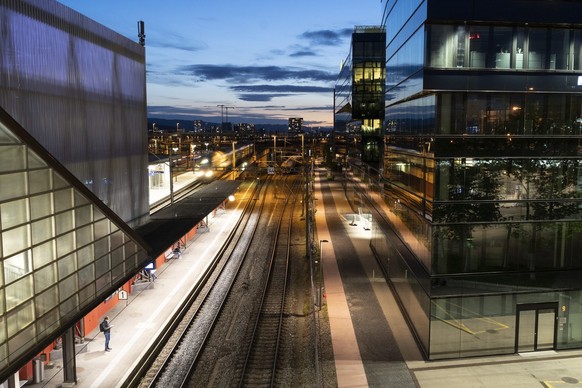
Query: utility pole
x=226, y=109
x=221, y=116
x=223, y=109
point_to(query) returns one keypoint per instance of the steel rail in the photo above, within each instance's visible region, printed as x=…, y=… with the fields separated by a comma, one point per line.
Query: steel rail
x=138, y=374
x=263, y=350
x=186, y=371
x=214, y=320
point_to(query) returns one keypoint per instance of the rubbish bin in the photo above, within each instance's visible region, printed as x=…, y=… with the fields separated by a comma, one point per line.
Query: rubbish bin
x=37, y=371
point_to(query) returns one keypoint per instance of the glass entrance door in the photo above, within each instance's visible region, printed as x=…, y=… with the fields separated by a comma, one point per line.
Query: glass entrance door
x=536, y=327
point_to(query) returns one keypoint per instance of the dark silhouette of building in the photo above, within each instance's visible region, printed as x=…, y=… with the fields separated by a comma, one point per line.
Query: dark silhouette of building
x=295, y=126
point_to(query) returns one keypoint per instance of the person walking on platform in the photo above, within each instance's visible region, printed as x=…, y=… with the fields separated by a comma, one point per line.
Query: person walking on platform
x=105, y=327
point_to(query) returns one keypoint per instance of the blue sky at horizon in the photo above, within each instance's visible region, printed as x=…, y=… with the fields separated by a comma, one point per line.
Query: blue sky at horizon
x=269, y=60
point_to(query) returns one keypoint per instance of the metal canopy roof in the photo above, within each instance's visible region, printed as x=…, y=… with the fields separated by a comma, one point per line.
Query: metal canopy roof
x=171, y=223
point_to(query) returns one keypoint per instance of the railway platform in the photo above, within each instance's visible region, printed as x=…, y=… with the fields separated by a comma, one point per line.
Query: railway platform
x=136, y=322
x=372, y=343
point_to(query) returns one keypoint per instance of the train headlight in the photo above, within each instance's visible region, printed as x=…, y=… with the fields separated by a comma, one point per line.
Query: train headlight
x=208, y=174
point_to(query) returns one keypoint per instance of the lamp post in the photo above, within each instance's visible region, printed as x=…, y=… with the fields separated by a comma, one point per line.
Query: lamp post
x=171, y=177
x=193, y=157
x=320, y=287
x=233, y=159
x=303, y=147
x=275, y=149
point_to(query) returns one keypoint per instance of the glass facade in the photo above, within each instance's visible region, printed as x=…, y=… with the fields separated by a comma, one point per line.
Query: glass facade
x=359, y=91
x=59, y=250
x=503, y=47
x=343, y=97
x=79, y=89
x=73, y=171
x=483, y=178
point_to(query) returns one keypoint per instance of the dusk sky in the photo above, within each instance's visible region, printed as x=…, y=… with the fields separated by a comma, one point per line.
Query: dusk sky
x=270, y=60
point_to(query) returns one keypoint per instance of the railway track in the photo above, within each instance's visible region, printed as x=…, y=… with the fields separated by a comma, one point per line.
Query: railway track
x=222, y=361
x=160, y=360
x=229, y=330
x=259, y=367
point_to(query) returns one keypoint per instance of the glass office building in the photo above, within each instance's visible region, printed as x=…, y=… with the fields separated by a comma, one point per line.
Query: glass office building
x=73, y=171
x=483, y=173
x=359, y=91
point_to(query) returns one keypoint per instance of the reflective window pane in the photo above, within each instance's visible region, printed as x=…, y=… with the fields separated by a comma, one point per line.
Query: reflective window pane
x=41, y=206
x=67, y=265
x=85, y=255
x=63, y=199
x=42, y=230
x=14, y=240
x=39, y=181
x=43, y=254
x=46, y=301
x=17, y=266
x=45, y=278
x=478, y=46
x=12, y=158
x=86, y=276
x=503, y=47
x=83, y=215
x=64, y=222
x=66, y=244
x=14, y=213
x=18, y=292
x=13, y=186
x=559, y=49
x=48, y=323
x=538, y=45
x=67, y=287
x=84, y=235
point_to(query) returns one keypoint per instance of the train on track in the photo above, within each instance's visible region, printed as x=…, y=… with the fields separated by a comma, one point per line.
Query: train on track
x=209, y=164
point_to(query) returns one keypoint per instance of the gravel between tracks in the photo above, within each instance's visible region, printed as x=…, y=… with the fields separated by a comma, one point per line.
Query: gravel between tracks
x=301, y=332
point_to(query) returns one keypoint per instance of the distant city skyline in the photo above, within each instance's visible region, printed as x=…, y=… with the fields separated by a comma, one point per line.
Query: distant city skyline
x=269, y=61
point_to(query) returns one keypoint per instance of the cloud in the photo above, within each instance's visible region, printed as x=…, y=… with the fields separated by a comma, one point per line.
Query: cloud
x=268, y=92
x=175, y=41
x=303, y=53
x=178, y=46
x=326, y=37
x=244, y=74
x=260, y=97
x=281, y=89
x=211, y=115
x=171, y=110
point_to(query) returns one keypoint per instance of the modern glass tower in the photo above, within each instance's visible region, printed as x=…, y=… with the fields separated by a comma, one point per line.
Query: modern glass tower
x=359, y=92
x=483, y=173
